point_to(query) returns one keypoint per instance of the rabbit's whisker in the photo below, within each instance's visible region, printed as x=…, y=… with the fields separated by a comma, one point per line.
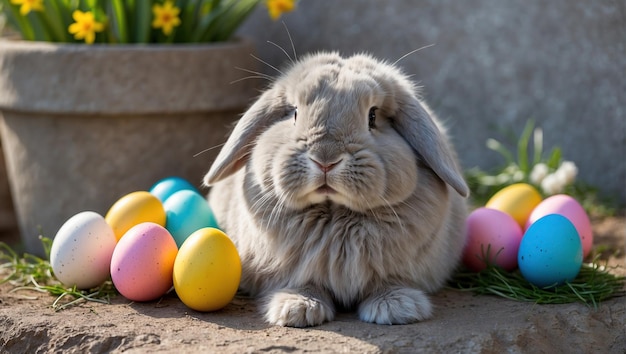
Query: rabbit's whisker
x=393, y=210
x=412, y=52
x=266, y=63
x=248, y=78
x=293, y=47
x=208, y=149
x=258, y=73
x=282, y=50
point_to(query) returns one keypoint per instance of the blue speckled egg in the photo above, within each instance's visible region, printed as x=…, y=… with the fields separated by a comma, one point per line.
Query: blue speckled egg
x=551, y=252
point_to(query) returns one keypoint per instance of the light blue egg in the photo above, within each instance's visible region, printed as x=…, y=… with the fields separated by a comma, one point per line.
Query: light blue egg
x=551, y=252
x=187, y=211
x=170, y=185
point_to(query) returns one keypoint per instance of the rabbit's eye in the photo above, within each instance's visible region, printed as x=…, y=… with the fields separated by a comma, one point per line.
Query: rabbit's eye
x=372, y=118
x=295, y=115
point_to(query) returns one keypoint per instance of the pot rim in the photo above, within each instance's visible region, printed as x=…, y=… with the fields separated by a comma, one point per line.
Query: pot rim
x=125, y=79
x=21, y=44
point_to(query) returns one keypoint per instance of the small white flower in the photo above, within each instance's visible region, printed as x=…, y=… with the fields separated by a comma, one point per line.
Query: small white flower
x=503, y=178
x=539, y=172
x=518, y=176
x=489, y=180
x=511, y=169
x=551, y=184
x=567, y=172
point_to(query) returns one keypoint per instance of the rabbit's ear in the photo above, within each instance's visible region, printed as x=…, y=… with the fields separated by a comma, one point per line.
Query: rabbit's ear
x=418, y=128
x=267, y=110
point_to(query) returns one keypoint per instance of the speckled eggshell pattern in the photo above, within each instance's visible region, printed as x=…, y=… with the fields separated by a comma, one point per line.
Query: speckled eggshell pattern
x=81, y=250
x=143, y=261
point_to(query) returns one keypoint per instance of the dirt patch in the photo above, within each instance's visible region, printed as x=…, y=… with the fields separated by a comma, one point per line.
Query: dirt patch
x=462, y=323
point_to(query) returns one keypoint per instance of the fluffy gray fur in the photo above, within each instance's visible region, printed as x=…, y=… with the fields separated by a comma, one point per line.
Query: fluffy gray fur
x=330, y=213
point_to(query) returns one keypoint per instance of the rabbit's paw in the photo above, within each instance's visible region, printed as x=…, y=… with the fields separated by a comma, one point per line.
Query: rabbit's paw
x=395, y=306
x=291, y=308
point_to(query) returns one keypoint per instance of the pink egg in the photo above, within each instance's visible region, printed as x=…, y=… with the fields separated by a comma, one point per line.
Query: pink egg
x=143, y=262
x=491, y=233
x=567, y=206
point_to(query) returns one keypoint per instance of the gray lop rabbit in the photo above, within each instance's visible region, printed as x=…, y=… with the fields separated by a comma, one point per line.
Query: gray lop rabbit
x=341, y=191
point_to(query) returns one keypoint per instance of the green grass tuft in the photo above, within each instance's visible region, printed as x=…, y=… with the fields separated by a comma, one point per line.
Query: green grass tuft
x=594, y=283
x=31, y=273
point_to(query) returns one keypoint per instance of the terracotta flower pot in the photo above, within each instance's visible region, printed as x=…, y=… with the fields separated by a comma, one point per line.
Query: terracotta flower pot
x=84, y=125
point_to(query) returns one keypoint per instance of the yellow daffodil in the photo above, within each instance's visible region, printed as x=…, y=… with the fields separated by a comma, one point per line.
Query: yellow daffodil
x=27, y=6
x=85, y=26
x=165, y=17
x=278, y=7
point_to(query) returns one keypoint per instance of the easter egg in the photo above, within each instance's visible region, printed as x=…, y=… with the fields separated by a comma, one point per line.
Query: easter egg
x=517, y=200
x=142, y=262
x=187, y=211
x=207, y=270
x=170, y=185
x=132, y=209
x=81, y=251
x=492, y=236
x=551, y=252
x=570, y=208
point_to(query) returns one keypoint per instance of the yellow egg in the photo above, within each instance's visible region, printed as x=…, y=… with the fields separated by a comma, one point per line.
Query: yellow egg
x=207, y=270
x=133, y=209
x=517, y=200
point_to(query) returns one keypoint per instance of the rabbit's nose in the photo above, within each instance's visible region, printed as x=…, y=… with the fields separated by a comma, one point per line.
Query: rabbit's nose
x=324, y=166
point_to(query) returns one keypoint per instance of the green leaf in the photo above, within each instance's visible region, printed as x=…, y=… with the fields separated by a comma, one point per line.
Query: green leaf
x=118, y=25
x=143, y=18
x=522, y=147
x=496, y=146
x=190, y=11
x=40, y=28
x=555, y=158
x=223, y=19
x=236, y=16
x=54, y=22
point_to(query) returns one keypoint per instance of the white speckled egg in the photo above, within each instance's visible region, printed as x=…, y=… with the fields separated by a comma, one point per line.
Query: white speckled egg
x=82, y=249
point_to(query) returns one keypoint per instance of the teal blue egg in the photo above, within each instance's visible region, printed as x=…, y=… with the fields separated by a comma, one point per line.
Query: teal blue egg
x=187, y=211
x=550, y=252
x=170, y=185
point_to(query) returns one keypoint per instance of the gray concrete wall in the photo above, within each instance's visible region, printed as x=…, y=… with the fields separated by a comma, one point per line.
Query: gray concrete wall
x=494, y=64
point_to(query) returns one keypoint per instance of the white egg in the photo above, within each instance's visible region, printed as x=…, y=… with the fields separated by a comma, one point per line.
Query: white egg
x=81, y=250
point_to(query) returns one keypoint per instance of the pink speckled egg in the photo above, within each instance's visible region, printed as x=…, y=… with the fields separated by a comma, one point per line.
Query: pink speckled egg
x=570, y=208
x=143, y=262
x=495, y=232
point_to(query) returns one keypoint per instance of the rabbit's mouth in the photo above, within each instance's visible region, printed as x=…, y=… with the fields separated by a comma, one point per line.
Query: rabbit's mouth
x=325, y=189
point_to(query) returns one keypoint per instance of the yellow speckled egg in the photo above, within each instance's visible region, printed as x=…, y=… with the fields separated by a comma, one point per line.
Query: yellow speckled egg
x=517, y=200
x=207, y=270
x=133, y=209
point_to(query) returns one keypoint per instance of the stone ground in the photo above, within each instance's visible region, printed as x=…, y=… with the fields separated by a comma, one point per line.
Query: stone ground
x=462, y=323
